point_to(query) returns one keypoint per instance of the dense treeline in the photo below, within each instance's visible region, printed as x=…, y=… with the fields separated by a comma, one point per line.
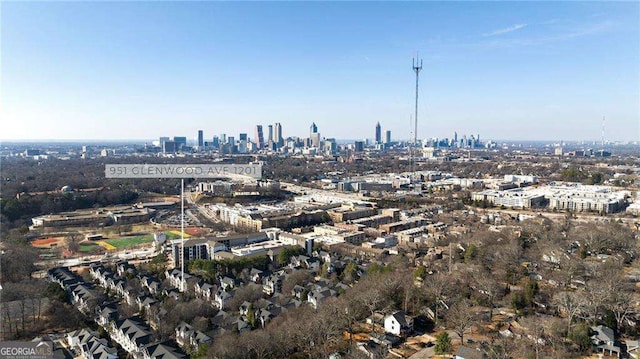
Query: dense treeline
x=557, y=278
x=295, y=169
x=554, y=301
x=25, y=207
x=32, y=188
x=30, y=306
x=27, y=176
x=37, y=183
x=211, y=269
x=302, y=170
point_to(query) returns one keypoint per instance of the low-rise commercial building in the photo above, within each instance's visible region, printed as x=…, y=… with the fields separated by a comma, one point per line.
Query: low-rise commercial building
x=403, y=225
x=100, y=217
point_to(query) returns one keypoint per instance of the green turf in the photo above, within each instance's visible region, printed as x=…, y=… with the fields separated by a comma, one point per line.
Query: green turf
x=87, y=247
x=171, y=236
x=130, y=241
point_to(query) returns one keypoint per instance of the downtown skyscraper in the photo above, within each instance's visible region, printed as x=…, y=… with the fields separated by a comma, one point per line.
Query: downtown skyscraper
x=277, y=134
x=259, y=136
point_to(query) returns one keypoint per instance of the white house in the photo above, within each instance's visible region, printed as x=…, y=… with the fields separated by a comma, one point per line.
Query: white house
x=90, y=346
x=397, y=324
x=131, y=334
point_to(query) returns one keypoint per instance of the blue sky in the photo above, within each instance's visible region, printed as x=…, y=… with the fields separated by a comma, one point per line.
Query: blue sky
x=505, y=70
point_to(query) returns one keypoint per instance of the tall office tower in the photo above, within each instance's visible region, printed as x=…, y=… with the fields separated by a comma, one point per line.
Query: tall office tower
x=329, y=146
x=223, y=138
x=378, y=133
x=315, y=139
x=455, y=137
x=278, y=134
x=180, y=141
x=162, y=141
x=243, y=137
x=270, y=133
x=242, y=146
x=259, y=138
x=358, y=146
x=314, y=135
x=200, y=138
x=231, y=140
x=215, y=142
x=387, y=136
x=169, y=147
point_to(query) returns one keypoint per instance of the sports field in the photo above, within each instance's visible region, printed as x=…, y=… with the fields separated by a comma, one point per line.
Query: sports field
x=106, y=245
x=89, y=248
x=125, y=242
x=111, y=244
x=48, y=242
x=176, y=235
x=195, y=231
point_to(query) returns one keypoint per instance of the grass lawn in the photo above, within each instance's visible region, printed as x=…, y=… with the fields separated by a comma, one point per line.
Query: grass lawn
x=176, y=235
x=125, y=242
x=88, y=248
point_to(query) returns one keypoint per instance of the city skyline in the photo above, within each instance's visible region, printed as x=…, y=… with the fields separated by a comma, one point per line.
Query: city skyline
x=89, y=71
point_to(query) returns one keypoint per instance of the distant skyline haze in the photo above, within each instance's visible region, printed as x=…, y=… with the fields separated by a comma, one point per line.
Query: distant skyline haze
x=140, y=70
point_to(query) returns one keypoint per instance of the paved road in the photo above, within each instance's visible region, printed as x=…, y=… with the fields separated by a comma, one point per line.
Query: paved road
x=206, y=213
x=110, y=256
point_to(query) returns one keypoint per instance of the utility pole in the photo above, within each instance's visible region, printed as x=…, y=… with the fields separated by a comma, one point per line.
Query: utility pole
x=450, y=257
x=417, y=66
x=182, y=233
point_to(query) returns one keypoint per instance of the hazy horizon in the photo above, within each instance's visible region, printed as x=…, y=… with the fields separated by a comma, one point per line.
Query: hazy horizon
x=139, y=141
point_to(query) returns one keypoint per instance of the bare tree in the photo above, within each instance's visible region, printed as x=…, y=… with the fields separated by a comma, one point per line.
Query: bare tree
x=571, y=269
x=606, y=283
x=248, y=293
x=488, y=287
x=371, y=299
x=436, y=287
x=17, y=261
x=297, y=277
x=594, y=299
x=259, y=343
x=617, y=292
x=461, y=317
x=571, y=303
x=328, y=326
x=622, y=305
x=354, y=310
x=536, y=329
x=73, y=241
x=227, y=346
x=390, y=286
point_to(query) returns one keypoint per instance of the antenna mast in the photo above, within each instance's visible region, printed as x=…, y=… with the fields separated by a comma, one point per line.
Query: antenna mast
x=411, y=145
x=417, y=66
